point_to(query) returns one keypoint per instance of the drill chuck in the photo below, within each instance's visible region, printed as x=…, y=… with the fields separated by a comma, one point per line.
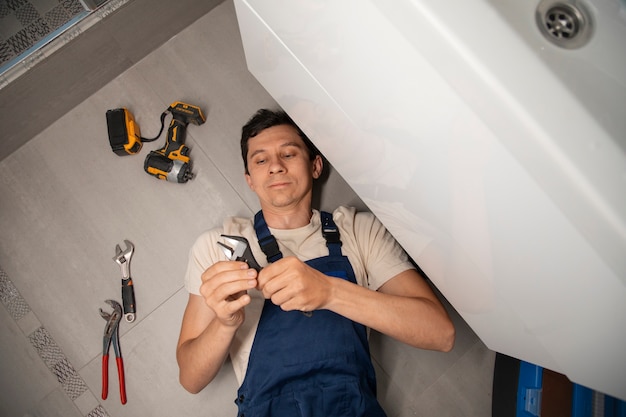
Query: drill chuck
x=164, y=168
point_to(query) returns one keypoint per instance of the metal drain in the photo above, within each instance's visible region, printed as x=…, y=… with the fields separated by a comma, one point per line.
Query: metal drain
x=567, y=25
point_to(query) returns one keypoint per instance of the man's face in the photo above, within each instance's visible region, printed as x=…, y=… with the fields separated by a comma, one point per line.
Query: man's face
x=280, y=171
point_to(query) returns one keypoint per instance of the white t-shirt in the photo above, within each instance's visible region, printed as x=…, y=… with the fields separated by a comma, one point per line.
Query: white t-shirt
x=374, y=255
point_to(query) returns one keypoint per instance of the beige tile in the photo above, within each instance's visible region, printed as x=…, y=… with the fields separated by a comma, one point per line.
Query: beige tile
x=55, y=404
x=391, y=396
x=20, y=365
x=86, y=402
x=465, y=390
x=29, y=323
x=436, y=401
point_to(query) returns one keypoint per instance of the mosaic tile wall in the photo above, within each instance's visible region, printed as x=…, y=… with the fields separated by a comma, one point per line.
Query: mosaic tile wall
x=49, y=352
x=26, y=23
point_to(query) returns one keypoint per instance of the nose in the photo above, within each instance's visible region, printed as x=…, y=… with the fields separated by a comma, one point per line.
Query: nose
x=276, y=166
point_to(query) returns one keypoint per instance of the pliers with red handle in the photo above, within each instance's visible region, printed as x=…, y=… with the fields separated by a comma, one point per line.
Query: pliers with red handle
x=111, y=333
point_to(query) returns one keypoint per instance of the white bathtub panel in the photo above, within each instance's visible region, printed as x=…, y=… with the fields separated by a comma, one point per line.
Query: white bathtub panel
x=513, y=209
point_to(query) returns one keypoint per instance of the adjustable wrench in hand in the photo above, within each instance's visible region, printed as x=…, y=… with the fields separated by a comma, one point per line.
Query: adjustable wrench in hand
x=239, y=251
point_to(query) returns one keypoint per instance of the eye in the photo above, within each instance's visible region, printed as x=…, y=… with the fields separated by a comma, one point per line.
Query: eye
x=290, y=153
x=258, y=159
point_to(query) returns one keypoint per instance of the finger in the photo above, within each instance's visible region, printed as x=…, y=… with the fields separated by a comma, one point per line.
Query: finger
x=273, y=270
x=236, y=296
x=288, y=284
x=221, y=267
x=262, y=278
x=233, y=306
x=244, y=277
x=232, y=311
x=284, y=302
x=215, y=294
x=272, y=280
x=289, y=303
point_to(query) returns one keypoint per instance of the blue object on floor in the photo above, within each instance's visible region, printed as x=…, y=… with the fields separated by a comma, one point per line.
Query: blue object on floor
x=582, y=401
x=614, y=407
x=530, y=388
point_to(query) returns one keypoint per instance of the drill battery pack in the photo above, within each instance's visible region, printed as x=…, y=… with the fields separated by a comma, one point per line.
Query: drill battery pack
x=124, y=135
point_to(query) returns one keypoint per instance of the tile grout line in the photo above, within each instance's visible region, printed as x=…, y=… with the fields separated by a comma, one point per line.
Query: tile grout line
x=49, y=352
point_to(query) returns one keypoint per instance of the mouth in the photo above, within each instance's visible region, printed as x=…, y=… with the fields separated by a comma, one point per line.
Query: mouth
x=280, y=184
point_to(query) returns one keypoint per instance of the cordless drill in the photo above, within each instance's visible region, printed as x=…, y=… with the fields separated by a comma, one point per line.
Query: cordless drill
x=171, y=162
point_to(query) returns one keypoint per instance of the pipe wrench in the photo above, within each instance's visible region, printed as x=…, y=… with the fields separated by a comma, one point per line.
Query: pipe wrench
x=122, y=258
x=238, y=249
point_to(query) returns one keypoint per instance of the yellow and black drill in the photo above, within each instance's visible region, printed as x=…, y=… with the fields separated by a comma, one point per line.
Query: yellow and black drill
x=172, y=162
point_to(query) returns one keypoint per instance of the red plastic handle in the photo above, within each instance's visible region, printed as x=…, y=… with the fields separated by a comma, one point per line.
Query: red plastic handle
x=120, y=373
x=105, y=376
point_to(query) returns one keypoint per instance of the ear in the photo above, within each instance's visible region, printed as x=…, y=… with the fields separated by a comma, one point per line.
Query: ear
x=249, y=181
x=318, y=166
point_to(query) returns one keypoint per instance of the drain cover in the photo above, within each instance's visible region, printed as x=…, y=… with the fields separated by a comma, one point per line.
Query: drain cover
x=566, y=25
x=562, y=22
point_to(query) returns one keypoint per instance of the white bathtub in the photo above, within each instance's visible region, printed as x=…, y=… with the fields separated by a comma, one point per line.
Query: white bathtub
x=495, y=157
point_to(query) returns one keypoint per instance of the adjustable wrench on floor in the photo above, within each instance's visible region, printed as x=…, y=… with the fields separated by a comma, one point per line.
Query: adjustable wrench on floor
x=128, y=293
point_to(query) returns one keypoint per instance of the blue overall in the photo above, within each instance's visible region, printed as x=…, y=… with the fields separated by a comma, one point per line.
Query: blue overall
x=315, y=364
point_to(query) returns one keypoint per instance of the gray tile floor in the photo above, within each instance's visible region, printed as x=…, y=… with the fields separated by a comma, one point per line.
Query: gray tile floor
x=67, y=200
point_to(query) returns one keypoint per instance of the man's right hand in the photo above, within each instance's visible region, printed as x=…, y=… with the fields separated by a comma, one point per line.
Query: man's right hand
x=211, y=320
x=224, y=288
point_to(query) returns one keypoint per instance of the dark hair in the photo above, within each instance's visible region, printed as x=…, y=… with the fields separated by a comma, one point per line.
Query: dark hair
x=264, y=119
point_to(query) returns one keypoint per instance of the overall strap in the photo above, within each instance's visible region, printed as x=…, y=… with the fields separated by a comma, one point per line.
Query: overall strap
x=269, y=246
x=267, y=241
x=331, y=234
